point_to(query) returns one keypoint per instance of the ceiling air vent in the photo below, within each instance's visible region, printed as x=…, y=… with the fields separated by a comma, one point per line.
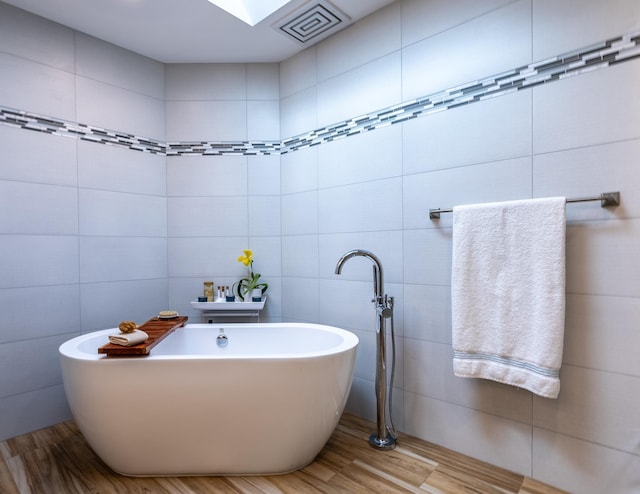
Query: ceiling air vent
x=313, y=23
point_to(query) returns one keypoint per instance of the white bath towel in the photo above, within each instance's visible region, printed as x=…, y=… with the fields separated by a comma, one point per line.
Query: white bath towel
x=508, y=292
x=128, y=339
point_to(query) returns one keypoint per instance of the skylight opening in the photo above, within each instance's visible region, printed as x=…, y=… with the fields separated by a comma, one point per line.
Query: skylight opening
x=250, y=11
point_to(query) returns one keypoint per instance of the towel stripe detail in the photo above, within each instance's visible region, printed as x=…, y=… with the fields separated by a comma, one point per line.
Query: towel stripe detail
x=511, y=362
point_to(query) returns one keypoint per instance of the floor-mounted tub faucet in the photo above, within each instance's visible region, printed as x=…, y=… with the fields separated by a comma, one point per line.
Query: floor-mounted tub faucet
x=385, y=437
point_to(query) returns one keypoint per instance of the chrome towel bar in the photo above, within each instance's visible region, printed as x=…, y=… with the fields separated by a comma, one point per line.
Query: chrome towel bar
x=607, y=199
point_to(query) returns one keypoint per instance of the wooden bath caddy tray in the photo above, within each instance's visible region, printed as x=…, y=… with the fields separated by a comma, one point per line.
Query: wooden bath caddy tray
x=157, y=329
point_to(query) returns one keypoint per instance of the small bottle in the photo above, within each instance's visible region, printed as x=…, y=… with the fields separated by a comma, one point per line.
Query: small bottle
x=208, y=290
x=228, y=295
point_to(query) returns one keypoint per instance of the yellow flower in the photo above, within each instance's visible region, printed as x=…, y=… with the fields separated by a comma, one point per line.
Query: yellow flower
x=247, y=258
x=244, y=286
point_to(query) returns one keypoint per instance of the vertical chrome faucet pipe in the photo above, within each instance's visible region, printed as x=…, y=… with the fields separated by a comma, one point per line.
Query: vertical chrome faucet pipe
x=383, y=438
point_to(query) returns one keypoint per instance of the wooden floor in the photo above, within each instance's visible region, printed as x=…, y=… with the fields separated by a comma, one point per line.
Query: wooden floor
x=58, y=460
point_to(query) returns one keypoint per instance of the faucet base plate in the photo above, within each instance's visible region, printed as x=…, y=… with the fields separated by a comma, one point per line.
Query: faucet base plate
x=387, y=443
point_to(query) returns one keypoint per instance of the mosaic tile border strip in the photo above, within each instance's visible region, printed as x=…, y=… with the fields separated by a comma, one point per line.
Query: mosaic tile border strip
x=599, y=56
x=617, y=50
x=208, y=148
x=51, y=125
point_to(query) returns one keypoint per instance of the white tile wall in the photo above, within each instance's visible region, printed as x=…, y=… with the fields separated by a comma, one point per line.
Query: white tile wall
x=588, y=171
x=264, y=215
x=488, y=44
x=301, y=255
x=263, y=120
x=27, y=208
x=116, y=169
x=136, y=300
x=208, y=216
x=421, y=20
x=37, y=87
x=120, y=214
x=434, y=247
x=224, y=120
x=111, y=107
x=298, y=73
x=592, y=21
x=300, y=299
x=83, y=225
x=219, y=206
x=301, y=211
x=495, y=181
x=482, y=129
x=594, y=406
x=369, y=156
x=365, y=89
x=574, y=137
x=116, y=66
x=570, y=114
x=357, y=314
x=36, y=260
x=205, y=257
x=42, y=372
x=204, y=176
x=37, y=157
x=362, y=401
x=427, y=312
x=36, y=312
x=371, y=38
x=469, y=431
x=566, y=461
x=33, y=410
x=615, y=243
x=429, y=372
x=299, y=170
x=595, y=326
x=199, y=82
x=367, y=206
x=298, y=113
x=263, y=81
x=263, y=175
x=36, y=39
x=122, y=258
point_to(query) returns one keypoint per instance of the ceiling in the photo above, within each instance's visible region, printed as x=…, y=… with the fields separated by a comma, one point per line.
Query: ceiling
x=190, y=31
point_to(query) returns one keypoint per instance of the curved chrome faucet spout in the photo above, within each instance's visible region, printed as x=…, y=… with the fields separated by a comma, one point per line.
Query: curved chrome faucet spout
x=378, y=283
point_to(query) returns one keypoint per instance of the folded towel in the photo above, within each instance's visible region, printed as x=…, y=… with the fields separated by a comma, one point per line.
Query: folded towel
x=128, y=339
x=508, y=292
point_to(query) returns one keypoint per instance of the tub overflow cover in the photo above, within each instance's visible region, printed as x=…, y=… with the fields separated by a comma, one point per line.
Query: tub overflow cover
x=222, y=339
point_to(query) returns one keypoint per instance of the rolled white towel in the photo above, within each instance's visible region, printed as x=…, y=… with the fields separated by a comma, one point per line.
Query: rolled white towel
x=128, y=339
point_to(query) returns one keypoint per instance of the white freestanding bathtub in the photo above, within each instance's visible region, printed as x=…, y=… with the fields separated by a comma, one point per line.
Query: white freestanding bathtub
x=266, y=403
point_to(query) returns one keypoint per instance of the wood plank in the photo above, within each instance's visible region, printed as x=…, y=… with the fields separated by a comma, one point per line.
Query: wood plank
x=530, y=486
x=58, y=459
x=407, y=469
x=157, y=329
x=7, y=482
x=462, y=468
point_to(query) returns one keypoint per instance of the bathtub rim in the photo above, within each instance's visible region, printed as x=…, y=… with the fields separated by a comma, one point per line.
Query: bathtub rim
x=70, y=348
